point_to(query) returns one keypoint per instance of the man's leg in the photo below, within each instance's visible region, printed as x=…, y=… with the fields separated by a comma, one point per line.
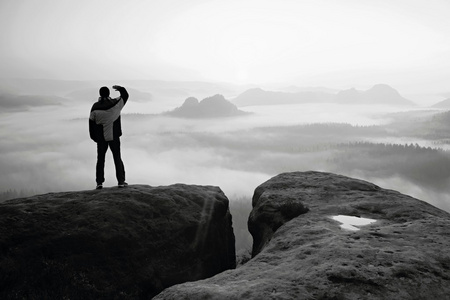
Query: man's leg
x=120, y=169
x=102, y=147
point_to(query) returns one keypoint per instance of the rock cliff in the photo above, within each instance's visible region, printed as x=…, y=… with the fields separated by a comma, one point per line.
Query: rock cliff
x=301, y=252
x=113, y=243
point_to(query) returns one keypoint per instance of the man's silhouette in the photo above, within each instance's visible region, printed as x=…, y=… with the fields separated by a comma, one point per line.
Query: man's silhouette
x=105, y=129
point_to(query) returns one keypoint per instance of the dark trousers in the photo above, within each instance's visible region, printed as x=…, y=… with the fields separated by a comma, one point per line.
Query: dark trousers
x=102, y=147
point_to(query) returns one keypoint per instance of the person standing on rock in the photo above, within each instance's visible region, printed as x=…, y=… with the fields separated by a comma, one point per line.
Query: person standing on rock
x=105, y=129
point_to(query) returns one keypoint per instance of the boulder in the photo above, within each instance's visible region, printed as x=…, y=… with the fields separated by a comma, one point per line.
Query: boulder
x=403, y=254
x=113, y=243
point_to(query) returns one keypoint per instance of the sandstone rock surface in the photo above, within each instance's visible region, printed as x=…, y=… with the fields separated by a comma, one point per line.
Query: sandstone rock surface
x=403, y=255
x=113, y=243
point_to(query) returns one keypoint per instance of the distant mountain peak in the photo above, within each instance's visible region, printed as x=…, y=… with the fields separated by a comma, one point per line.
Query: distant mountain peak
x=383, y=93
x=350, y=91
x=382, y=86
x=216, y=97
x=254, y=91
x=378, y=94
x=191, y=101
x=379, y=88
x=210, y=107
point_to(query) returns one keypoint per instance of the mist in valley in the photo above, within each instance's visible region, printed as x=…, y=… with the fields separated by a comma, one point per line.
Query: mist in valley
x=46, y=147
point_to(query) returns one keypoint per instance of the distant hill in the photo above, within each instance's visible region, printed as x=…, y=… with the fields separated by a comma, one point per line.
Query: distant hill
x=211, y=107
x=257, y=96
x=348, y=96
x=13, y=102
x=378, y=94
x=445, y=104
x=385, y=94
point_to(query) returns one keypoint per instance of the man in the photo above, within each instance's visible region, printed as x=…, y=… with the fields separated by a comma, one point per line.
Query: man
x=105, y=129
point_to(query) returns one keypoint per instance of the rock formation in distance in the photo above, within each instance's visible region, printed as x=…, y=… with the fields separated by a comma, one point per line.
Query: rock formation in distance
x=212, y=107
x=378, y=94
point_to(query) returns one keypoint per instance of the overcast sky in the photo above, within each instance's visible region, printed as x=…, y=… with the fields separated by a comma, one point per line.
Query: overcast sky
x=318, y=42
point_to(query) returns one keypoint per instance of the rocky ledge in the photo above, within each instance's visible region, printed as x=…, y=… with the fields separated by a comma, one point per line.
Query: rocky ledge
x=113, y=243
x=301, y=252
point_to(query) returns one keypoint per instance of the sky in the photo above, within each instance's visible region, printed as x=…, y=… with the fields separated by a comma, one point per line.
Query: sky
x=331, y=43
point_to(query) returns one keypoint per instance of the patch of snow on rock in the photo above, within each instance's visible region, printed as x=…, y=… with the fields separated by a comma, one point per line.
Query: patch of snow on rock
x=350, y=222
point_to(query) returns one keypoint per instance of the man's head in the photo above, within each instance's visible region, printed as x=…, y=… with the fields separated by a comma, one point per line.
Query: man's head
x=104, y=92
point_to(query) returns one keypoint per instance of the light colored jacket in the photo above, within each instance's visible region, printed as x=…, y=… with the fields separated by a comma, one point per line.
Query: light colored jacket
x=104, y=119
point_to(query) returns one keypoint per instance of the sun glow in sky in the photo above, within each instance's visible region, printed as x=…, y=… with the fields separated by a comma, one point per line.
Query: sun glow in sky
x=265, y=41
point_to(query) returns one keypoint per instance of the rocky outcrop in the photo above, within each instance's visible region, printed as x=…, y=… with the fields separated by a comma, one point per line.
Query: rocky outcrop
x=402, y=255
x=212, y=107
x=378, y=94
x=113, y=243
x=271, y=209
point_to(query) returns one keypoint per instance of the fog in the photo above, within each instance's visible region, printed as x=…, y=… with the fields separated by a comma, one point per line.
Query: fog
x=336, y=44
x=46, y=148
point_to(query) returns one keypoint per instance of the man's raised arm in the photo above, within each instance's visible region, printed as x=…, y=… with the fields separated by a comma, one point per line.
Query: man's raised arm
x=123, y=92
